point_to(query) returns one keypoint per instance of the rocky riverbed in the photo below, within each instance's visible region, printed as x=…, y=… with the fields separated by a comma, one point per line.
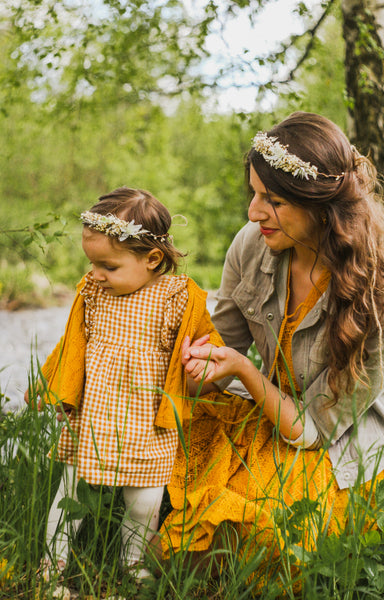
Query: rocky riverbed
x=28, y=336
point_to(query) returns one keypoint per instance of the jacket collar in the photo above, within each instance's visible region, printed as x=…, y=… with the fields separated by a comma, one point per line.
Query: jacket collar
x=276, y=265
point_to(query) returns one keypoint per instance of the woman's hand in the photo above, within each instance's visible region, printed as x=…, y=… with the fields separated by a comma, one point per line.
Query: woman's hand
x=202, y=360
x=186, y=347
x=224, y=361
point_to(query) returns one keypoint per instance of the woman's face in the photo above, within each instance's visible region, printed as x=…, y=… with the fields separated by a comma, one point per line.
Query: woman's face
x=282, y=224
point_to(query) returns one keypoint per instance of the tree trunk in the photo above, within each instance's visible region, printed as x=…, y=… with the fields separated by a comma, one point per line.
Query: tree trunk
x=363, y=30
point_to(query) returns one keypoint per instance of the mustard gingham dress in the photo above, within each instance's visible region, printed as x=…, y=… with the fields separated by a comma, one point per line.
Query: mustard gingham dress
x=112, y=438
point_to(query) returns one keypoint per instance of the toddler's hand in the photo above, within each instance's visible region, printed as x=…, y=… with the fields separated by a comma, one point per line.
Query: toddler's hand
x=63, y=410
x=27, y=398
x=197, y=368
x=223, y=361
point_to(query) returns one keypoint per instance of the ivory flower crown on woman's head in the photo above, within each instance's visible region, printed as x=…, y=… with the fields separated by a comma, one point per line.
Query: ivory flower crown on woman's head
x=277, y=155
x=115, y=227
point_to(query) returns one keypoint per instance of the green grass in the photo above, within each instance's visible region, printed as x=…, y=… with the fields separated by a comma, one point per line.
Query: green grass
x=349, y=566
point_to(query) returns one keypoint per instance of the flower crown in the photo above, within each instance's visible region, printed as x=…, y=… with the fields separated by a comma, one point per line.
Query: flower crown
x=113, y=226
x=278, y=157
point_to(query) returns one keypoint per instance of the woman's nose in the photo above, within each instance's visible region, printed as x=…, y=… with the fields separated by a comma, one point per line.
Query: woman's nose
x=256, y=209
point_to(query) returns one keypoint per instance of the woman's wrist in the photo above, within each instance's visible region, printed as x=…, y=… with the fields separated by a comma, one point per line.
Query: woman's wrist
x=243, y=367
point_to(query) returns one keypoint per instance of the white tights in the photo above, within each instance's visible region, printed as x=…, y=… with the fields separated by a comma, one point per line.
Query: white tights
x=140, y=521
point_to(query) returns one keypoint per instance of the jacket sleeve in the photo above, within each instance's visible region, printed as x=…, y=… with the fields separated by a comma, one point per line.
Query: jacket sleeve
x=207, y=327
x=334, y=419
x=228, y=318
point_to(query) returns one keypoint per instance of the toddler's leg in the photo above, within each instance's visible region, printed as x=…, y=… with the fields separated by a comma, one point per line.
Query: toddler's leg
x=58, y=528
x=140, y=523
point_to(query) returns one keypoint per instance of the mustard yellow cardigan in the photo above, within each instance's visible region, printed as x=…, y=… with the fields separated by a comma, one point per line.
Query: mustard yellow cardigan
x=64, y=369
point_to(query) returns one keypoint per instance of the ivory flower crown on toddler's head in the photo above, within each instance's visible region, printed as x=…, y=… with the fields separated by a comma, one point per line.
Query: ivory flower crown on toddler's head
x=115, y=227
x=278, y=157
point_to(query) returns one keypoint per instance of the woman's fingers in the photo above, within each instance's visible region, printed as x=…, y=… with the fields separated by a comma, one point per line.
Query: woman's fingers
x=194, y=367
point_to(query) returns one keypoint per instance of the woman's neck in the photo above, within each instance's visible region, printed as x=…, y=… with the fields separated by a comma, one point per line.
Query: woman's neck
x=305, y=263
x=304, y=274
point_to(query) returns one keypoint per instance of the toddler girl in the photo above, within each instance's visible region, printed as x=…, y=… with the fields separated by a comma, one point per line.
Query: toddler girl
x=117, y=371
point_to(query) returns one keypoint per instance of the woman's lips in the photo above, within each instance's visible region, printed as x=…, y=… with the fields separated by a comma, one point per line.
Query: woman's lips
x=267, y=230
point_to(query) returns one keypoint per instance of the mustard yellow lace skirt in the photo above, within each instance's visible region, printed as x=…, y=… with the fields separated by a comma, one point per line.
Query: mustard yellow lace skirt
x=236, y=470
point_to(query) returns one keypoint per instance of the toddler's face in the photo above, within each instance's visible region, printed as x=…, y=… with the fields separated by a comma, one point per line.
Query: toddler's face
x=117, y=270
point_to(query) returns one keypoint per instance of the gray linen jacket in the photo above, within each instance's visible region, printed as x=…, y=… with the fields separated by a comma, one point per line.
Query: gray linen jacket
x=250, y=307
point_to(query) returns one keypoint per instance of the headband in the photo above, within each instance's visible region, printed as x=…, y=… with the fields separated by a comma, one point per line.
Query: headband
x=115, y=227
x=278, y=157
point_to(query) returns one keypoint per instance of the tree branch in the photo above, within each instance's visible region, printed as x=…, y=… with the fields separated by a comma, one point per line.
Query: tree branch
x=312, y=32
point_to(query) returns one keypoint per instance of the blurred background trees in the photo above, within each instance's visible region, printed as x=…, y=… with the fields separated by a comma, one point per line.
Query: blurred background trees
x=101, y=93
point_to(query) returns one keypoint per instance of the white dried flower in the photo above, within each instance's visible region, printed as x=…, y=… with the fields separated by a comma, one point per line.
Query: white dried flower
x=278, y=157
x=113, y=226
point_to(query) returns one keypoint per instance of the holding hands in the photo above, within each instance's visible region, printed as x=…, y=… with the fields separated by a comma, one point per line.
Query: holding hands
x=202, y=360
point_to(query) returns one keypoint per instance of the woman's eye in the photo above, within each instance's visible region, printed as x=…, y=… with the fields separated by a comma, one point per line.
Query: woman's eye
x=275, y=203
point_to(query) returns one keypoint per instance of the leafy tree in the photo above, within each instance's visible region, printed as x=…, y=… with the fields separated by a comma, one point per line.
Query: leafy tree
x=363, y=33
x=95, y=98
x=363, y=27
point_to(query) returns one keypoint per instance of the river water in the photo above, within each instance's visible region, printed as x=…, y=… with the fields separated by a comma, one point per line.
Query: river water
x=28, y=336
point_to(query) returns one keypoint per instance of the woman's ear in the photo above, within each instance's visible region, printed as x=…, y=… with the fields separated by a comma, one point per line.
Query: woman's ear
x=154, y=258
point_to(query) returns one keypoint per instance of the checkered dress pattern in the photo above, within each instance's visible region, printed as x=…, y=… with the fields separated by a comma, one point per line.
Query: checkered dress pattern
x=112, y=438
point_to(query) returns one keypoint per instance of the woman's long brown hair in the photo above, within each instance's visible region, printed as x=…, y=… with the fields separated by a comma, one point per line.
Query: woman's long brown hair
x=350, y=214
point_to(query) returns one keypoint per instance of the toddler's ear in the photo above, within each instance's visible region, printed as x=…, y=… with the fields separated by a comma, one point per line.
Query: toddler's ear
x=154, y=258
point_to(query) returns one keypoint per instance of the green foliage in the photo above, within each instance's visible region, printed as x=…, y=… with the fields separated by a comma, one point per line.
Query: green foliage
x=192, y=164
x=84, y=115
x=121, y=51
x=319, y=85
x=87, y=108
x=28, y=482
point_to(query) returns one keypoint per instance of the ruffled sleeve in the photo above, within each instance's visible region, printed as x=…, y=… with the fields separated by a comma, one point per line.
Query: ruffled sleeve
x=89, y=291
x=175, y=305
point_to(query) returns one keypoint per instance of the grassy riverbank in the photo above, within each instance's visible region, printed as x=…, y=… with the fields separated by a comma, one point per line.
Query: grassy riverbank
x=348, y=566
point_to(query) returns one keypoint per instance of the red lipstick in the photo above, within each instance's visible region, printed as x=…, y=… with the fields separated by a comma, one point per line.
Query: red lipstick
x=267, y=231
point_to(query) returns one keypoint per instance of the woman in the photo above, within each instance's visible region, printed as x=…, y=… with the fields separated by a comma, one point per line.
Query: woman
x=304, y=280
